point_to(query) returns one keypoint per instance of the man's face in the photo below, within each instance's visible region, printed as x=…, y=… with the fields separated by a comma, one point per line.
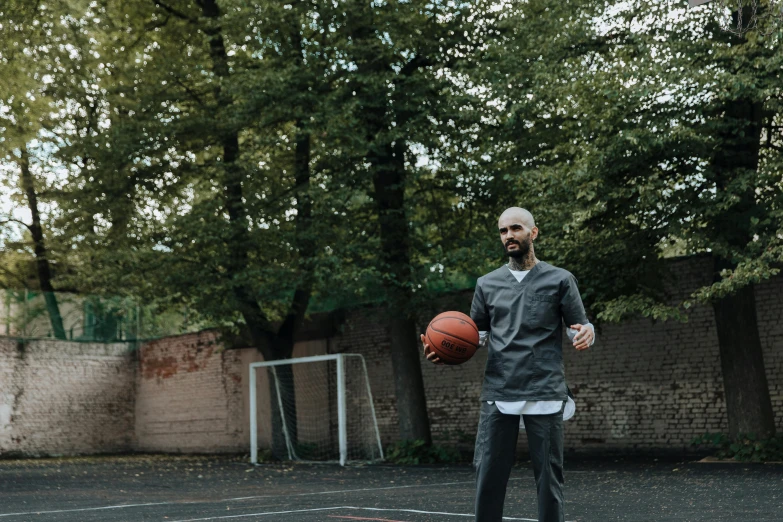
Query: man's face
x=516, y=235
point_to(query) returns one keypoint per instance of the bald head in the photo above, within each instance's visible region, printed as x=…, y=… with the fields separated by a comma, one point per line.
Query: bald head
x=517, y=231
x=518, y=215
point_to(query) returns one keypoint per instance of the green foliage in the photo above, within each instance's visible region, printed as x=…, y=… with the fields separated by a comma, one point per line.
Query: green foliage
x=414, y=452
x=459, y=437
x=143, y=109
x=744, y=448
x=306, y=450
x=617, y=309
x=265, y=455
x=610, y=132
x=633, y=139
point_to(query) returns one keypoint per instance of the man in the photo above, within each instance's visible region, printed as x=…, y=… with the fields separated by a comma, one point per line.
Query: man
x=519, y=310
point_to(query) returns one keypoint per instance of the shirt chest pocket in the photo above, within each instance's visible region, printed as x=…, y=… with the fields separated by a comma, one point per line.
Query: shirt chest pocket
x=542, y=309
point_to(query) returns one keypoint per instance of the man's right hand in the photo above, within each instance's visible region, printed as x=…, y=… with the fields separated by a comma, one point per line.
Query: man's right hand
x=428, y=353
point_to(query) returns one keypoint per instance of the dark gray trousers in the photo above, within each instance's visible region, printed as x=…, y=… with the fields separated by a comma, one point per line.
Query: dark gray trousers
x=496, y=444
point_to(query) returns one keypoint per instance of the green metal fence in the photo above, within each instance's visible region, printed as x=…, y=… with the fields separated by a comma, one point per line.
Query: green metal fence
x=89, y=318
x=30, y=314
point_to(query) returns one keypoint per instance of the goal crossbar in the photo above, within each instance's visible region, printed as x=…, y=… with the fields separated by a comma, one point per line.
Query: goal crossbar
x=341, y=403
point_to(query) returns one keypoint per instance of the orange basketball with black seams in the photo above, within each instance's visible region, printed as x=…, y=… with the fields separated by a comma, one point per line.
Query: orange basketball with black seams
x=453, y=336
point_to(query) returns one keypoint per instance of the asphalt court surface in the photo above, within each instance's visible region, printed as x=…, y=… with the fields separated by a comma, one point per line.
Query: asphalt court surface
x=165, y=488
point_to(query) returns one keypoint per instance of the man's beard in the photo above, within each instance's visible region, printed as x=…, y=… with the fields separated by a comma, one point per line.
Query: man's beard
x=522, y=250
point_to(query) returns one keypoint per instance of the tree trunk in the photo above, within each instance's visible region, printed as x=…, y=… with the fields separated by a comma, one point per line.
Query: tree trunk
x=748, y=403
x=742, y=363
x=283, y=342
x=386, y=156
x=273, y=345
x=281, y=378
x=388, y=163
x=41, y=260
x=414, y=423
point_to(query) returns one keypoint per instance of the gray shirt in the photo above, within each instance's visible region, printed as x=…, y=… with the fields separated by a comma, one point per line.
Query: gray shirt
x=525, y=324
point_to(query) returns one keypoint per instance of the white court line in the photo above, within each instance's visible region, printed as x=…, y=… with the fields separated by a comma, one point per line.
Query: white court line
x=124, y=506
x=348, y=491
x=258, y=497
x=224, y=517
x=357, y=490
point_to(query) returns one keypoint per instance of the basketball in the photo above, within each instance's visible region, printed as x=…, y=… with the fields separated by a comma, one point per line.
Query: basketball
x=453, y=336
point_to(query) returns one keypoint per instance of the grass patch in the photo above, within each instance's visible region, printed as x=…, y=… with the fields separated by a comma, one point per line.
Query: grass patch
x=745, y=448
x=418, y=452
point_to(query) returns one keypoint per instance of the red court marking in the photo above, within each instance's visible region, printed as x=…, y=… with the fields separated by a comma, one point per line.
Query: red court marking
x=362, y=518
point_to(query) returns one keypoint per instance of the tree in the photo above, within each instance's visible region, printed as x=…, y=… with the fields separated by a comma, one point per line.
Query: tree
x=663, y=136
x=404, y=94
x=25, y=114
x=205, y=176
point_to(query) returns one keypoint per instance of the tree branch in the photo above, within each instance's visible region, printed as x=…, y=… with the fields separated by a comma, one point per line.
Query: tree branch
x=174, y=12
x=192, y=93
x=149, y=28
x=416, y=62
x=11, y=220
x=14, y=275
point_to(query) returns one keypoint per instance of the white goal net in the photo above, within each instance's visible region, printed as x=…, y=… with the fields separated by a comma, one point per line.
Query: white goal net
x=313, y=409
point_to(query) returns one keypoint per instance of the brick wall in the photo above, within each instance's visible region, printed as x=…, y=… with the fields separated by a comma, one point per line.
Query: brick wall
x=644, y=386
x=192, y=396
x=770, y=319
x=649, y=385
x=58, y=397
x=188, y=395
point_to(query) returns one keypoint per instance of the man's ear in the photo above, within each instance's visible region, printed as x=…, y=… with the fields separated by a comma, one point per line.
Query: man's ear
x=534, y=232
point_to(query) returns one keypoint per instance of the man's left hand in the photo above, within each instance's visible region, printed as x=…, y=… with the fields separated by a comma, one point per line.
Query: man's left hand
x=584, y=336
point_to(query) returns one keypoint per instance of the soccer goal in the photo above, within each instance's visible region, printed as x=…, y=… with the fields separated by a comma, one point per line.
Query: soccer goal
x=317, y=409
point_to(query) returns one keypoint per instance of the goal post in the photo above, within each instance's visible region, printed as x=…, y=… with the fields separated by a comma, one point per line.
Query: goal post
x=316, y=408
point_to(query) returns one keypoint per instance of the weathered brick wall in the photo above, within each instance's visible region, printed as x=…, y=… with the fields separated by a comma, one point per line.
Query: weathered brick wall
x=59, y=397
x=769, y=306
x=364, y=333
x=193, y=396
x=189, y=396
x=644, y=386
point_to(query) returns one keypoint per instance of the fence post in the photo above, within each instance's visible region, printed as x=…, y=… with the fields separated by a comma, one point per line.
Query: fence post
x=24, y=317
x=138, y=325
x=8, y=312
